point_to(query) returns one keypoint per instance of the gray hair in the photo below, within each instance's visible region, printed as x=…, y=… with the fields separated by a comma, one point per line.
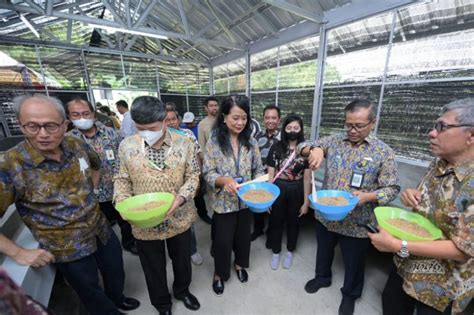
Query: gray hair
x=464, y=110
x=20, y=100
x=147, y=110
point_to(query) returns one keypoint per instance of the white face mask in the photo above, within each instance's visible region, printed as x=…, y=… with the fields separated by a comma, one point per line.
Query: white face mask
x=83, y=124
x=151, y=137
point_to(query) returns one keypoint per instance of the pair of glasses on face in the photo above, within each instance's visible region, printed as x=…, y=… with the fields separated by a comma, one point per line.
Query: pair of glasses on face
x=50, y=128
x=77, y=115
x=357, y=127
x=440, y=126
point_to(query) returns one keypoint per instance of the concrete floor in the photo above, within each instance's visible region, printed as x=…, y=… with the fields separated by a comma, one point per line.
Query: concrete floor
x=268, y=291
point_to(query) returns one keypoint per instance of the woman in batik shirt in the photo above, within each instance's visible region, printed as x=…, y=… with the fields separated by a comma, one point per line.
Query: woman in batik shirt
x=231, y=157
x=294, y=184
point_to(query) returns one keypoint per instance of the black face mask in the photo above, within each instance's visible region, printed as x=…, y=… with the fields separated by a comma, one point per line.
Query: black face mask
x=292, y=135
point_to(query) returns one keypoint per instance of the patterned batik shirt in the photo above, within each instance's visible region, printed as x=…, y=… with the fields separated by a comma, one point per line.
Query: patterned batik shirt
x=172, y=168
x=372, y=158
x=447, y=200
x=190, y=134
x=217, y=163
x=55, y=199
x=105, y=143
x=265, y=142
x=296, y=168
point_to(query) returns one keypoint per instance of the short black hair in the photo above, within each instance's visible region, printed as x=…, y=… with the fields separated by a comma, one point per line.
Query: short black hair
x=78, y=99
x=270, y=107
x=122, y=103
x=147, y=110
x=357, y=104
x=210, y=98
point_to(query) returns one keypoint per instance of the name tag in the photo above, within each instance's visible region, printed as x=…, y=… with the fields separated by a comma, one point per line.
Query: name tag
x=110, y=155
x=357, y=179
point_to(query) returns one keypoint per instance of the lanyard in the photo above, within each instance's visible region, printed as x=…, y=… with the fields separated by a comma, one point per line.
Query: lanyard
x=237, y=161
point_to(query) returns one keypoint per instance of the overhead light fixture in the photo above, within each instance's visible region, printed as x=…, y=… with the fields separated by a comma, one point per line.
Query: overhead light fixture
x=127, y=31
x=30, y=26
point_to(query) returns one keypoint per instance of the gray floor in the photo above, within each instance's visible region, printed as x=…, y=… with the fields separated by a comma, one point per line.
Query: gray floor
x=268, y=291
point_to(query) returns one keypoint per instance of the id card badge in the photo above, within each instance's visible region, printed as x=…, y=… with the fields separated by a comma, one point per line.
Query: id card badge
x=110, y=155
x=357, y=179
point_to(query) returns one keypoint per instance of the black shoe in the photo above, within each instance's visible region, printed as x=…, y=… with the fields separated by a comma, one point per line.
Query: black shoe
x=347, y=306
x=129, y=304
x=132, y=249
x=313, y=285
x=167, y=312
x=218, y=287
x=206, y=219
x=242, y=275
x=255, y=235
x=190, y=302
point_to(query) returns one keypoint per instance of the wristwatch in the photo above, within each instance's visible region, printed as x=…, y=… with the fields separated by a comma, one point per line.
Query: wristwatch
x=403, y=252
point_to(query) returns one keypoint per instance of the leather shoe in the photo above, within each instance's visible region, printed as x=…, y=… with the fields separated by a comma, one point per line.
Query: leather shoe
x=313, y=285
x=242, y=275
x=129, y=304
x=218, y=287
x=347, y=306
x=190, y=302
x=167, y=312
x=255, y=235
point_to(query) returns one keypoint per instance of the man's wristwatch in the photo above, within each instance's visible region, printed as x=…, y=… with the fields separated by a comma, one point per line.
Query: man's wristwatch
x=403, y=252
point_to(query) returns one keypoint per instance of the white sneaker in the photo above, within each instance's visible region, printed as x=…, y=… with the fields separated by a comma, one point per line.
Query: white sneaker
x=196, y=259
x=288, y=261
x=275, y=261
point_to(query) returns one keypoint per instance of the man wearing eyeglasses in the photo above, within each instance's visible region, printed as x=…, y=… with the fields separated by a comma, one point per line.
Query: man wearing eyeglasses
x=357, y=162
x=48, y=177
x=437, y=277
x=105, y=142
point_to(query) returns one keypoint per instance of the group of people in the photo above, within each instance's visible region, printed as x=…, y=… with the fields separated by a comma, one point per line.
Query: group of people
x=64, y=187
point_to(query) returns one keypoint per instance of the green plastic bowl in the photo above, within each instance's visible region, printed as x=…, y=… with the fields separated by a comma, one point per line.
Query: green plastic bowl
x=149, y=218
x=385, y=213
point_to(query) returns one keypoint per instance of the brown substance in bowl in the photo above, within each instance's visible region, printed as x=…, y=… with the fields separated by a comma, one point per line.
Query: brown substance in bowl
x=257, y=195
x=333, y=201
x=409, y=227
x=148, y=206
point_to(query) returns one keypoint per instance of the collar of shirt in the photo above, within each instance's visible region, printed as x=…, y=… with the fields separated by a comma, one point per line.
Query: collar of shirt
x=37, y=158
x=460, y=171
x=274, y=134
x=369, y=139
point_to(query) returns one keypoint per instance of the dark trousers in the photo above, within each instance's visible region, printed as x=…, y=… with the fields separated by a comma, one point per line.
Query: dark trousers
x=199, y=199
x=395, y=301
x=232, y=232
x=112, y=215
x=259, y=222
x=285, y=210
x=153, y=259
x=83, y=277
x=353, y=251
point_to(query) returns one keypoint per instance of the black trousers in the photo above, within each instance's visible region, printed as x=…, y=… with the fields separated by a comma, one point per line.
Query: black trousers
x=285, y=210
x=153, y=260
x=354, y=251
x=199, y=199
x=232, y=232
x=259, y=222
x=112, y=214
x=395, y=301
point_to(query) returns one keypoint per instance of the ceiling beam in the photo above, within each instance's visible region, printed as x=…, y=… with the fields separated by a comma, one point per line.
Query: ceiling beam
x=111, y=9
x=33, y=4
x=147, y=30
x=296, y=10
x=145, y=13
x=127, y=13
x=183, y=17
x=49, y=7
x=67, y=46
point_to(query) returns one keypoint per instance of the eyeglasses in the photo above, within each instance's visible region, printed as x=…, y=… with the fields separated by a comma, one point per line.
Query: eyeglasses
x=50, y=128
x=77, y=115
x=440, y=126
x=357, y=127
x=295, y=128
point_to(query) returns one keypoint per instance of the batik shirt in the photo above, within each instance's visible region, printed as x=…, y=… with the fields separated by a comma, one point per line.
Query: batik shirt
x=265, y=142
x=372, y=158
x=55, y=199
x=172, y=168
x=447, y=200
x=105, y=143
x=217, y=163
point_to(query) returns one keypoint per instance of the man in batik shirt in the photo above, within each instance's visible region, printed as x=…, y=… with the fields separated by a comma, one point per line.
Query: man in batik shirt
x=357, y=162
x=105, y=142
x=437, y=277
x=49, y=178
